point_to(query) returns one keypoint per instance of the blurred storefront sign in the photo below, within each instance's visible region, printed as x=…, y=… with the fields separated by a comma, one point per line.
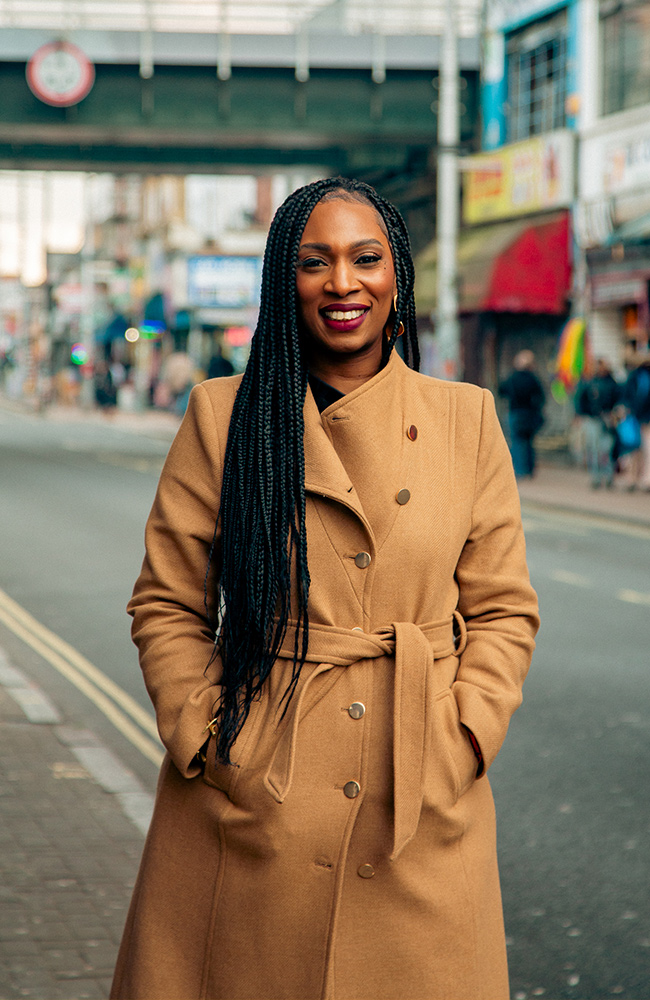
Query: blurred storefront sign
x=525, y=177
x=71, y=298
x=237, y=336
x=615, y=172
x=626, y=162
x=60, y=74
x=593, y=222
x=520, y=266
x=217, y=282
x=619, y=289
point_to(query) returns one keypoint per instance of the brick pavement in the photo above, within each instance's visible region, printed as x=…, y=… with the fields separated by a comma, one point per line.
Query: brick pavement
x=68, y=854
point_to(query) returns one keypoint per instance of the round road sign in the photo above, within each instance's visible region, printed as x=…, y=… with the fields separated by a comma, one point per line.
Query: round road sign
x=60, y=74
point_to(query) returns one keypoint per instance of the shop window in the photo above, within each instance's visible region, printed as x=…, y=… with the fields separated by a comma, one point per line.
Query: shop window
x=635, y=327
x=625, y=54
x=537, y=70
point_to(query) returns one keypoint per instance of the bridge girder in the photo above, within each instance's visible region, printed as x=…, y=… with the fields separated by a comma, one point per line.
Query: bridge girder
x=185, y=120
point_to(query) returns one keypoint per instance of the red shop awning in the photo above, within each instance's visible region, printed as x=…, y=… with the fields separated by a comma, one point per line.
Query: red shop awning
x=522, y=266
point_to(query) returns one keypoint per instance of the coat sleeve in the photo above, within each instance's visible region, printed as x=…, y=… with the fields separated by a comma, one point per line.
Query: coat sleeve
x=171, y=628
x=495, y=596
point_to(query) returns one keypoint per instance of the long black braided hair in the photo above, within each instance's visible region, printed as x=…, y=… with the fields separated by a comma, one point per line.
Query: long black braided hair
x=262, y=511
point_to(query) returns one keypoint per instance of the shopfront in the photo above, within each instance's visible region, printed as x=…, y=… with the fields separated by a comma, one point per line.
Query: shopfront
x=614, y=230
x=514, y=259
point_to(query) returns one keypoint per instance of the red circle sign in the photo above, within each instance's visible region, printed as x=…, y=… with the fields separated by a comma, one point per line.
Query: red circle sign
x=60, y=74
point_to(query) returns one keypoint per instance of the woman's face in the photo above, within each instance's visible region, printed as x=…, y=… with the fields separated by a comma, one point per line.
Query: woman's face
x=345, y=281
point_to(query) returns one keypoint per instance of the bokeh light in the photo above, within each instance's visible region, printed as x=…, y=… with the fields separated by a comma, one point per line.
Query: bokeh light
x=78, y=354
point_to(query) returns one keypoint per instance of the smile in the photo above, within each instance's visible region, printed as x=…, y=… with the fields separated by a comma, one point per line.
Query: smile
x=344, y=317
x=347, y=314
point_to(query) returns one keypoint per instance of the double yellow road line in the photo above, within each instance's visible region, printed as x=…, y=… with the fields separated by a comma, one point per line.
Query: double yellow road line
x=119, y=707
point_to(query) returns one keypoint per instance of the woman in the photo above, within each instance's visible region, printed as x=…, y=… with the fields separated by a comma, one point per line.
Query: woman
x=376, y=623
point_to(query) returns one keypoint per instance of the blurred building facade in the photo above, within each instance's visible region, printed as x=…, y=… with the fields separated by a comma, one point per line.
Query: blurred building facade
x=613, y=199
x=556, y=207
x=515, y=253
x=159, y=264
x=157, y=105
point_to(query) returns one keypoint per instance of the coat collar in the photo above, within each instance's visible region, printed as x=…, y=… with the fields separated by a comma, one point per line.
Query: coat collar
x=325, y=473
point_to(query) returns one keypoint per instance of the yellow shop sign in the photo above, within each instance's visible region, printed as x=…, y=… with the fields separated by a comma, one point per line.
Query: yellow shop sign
x=523, y=177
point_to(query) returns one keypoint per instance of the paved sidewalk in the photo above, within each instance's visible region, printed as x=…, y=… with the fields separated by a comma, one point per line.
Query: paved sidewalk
x=68, y=850
x=569, y=488
x=152, y=423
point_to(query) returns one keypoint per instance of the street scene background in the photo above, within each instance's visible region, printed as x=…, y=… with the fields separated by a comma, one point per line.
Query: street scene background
x=141, y=160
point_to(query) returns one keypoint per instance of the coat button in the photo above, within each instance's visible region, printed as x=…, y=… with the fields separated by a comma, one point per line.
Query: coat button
x=362, y=559
x=351, y=789
x=403, y=497
x=412, y=432
x=356, y=710
x=366, y=871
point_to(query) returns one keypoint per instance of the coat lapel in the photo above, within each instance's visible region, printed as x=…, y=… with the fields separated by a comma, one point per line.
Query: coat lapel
x=366, y=431
x=325, y=474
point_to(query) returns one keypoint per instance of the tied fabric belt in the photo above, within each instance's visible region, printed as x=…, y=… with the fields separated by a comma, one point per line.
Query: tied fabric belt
x=415, y=647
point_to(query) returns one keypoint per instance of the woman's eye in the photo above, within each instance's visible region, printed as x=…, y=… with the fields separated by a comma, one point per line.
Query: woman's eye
x=368, y=258
x=311, y=262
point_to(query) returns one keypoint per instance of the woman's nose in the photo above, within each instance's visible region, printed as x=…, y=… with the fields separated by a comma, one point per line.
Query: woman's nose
x=342, y=279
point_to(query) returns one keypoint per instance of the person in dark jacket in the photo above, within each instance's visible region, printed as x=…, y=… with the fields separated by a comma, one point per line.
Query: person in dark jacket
x=636, y=399
x=594, y=401
x=526, y=397
x=219, y=366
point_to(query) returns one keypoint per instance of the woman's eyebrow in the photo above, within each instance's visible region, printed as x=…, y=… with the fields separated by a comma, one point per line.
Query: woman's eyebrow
x=325, y=247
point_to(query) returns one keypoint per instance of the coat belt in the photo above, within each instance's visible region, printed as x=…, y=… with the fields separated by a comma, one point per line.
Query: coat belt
x=415, y=647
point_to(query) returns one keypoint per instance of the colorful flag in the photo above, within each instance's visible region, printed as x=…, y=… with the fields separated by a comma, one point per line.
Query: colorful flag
x=573, y=358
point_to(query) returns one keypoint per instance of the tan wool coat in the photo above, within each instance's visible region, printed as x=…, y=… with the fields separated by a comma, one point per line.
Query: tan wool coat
x=349, y=852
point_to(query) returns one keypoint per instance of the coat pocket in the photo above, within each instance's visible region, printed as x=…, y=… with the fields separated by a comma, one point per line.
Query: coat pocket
x=216, y=774
x=450, y=760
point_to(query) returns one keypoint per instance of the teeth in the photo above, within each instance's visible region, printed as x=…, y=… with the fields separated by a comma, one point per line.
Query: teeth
x=348, y=314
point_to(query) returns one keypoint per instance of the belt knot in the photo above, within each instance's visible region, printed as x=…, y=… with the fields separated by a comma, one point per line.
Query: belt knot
x=414, y=647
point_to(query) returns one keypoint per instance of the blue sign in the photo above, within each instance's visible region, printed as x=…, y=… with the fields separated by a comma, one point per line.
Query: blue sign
x=224, y=282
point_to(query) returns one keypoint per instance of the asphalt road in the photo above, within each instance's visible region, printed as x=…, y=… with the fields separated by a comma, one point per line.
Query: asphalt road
x=571, y=783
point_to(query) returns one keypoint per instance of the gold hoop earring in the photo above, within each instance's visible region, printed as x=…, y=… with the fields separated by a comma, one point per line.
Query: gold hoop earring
x=400, y=328
x=400, y=331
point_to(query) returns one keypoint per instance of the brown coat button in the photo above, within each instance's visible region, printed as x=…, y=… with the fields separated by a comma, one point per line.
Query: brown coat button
x=412, y=432
x=366, y=871
x=351, y=789
x=362, y=559
x=356, y=710
x=403, y=497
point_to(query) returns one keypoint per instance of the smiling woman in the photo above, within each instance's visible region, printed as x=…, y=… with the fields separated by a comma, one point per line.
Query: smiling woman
x=334, y=621
x=345, y=283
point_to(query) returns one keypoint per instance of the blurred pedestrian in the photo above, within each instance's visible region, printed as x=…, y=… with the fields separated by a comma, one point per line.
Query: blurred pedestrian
x=334, y=620
x=526, y=397
x=105, y=390
x=219, y=366
x=636, y=399
x=177, y=378
x=595, y=401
